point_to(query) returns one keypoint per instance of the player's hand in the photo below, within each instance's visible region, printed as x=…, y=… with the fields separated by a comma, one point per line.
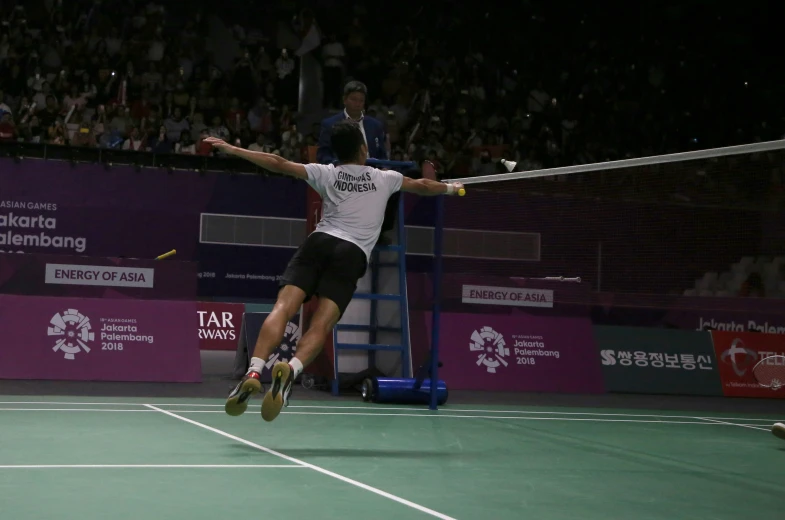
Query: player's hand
x=457, y=187
x=219, y=144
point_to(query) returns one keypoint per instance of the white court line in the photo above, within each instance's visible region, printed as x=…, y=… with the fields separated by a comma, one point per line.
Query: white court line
x=98, y=404
x=259, y=447
x=68, y=410
x=734, y=424
x=697, y=420
x=516, y=418
x=419, y=411
x=148, y=466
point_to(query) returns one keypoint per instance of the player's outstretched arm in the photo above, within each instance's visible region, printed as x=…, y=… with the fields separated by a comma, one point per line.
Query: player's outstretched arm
x=267, y=161
x=428, y=187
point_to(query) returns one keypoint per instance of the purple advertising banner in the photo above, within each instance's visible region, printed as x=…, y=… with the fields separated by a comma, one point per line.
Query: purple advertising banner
x=518, y=353
x=504, y=334
x=96, y=277
x=99, y=339
x=49, y=207
x=690, y=313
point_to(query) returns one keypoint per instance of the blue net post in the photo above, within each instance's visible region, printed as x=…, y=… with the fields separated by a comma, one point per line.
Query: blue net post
x=437, y=299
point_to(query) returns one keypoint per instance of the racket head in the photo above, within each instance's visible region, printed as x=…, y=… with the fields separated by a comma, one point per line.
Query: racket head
x=769, y=372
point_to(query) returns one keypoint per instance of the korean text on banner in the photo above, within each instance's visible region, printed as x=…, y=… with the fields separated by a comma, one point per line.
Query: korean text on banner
x=737, y=353
x=657, y=361
x=510, y=296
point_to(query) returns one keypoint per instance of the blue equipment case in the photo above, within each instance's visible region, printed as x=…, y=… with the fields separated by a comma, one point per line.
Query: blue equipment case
x=402, y=391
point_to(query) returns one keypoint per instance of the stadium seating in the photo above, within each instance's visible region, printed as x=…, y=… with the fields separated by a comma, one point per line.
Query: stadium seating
x=730, y=283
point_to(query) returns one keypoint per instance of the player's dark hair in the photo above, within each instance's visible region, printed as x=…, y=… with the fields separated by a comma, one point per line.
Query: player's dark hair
x=346, y=140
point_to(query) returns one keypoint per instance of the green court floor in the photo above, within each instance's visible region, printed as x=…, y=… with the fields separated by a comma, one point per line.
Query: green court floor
x=170, y=459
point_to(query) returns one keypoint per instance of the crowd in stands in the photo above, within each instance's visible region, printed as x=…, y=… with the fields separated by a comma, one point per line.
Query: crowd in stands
x=456, y=83
x=120, y=75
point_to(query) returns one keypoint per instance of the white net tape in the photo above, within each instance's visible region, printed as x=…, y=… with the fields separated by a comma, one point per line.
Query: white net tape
x=627, y=163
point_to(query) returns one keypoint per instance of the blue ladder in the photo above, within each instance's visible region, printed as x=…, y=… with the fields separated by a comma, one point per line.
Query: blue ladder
x=375, y=297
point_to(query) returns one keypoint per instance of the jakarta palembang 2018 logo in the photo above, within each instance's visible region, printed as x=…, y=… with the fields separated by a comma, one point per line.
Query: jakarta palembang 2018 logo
x=490, y=347
x=288, y=346
x=74, y=331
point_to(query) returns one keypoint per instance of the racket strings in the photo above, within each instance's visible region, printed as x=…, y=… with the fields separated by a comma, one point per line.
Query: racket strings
x=770, y=372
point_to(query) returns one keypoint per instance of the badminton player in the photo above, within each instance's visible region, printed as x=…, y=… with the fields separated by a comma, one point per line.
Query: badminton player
x=330, y=261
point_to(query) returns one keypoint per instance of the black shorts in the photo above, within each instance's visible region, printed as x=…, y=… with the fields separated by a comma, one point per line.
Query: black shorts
x=328, y=267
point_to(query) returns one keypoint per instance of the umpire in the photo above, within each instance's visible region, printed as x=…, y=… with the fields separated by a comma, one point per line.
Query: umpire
x=354, y=96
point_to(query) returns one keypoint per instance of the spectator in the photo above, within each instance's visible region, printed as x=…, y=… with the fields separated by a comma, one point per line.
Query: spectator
x=74, y=99
x=121, y=121
x=83, y=137
x=437, y=86
x=176, y=125
x=185, y=145
x=198, y=126
x=203, y=148
x=260, y=145
x=159, y=142
x=218, y=129
x=134, y=141
x=234, y=116
x=7, y=128
x=286, y=90
x=4, y=108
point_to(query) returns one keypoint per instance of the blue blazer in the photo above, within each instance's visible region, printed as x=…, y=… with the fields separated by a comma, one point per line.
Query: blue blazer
x=374, y=133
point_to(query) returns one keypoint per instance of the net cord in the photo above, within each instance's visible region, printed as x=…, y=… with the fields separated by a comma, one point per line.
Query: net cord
x=709, y=153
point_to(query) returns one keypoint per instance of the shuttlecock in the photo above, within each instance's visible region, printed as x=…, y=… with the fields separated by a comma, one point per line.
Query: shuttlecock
x=510, y=165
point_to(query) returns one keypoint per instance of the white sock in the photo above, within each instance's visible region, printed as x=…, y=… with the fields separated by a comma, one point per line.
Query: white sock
x=256, y=364
x=297, y=365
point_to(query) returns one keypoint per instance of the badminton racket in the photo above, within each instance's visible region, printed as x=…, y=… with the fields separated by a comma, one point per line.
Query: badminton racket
x=769, y=372
x=166, y=255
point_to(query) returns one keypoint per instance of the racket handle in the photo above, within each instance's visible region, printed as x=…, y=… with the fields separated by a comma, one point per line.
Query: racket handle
x=461, y=192
x=166, y=255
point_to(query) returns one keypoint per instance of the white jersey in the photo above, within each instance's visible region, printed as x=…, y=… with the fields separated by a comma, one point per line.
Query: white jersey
x=354, y=199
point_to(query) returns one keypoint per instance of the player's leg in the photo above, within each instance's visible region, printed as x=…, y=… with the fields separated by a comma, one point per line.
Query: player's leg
x=344, y=264
x=290, y=298
x=284, y=373
x=297, y=285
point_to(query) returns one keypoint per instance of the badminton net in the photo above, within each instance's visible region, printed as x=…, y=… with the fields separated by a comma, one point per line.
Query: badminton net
x=704, y=223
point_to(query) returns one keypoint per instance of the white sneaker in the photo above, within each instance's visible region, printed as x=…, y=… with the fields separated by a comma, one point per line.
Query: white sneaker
x=779, y=430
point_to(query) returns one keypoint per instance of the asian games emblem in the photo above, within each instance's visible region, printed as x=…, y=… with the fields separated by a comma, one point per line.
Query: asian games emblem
x=74, y=331
x=490, y=347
